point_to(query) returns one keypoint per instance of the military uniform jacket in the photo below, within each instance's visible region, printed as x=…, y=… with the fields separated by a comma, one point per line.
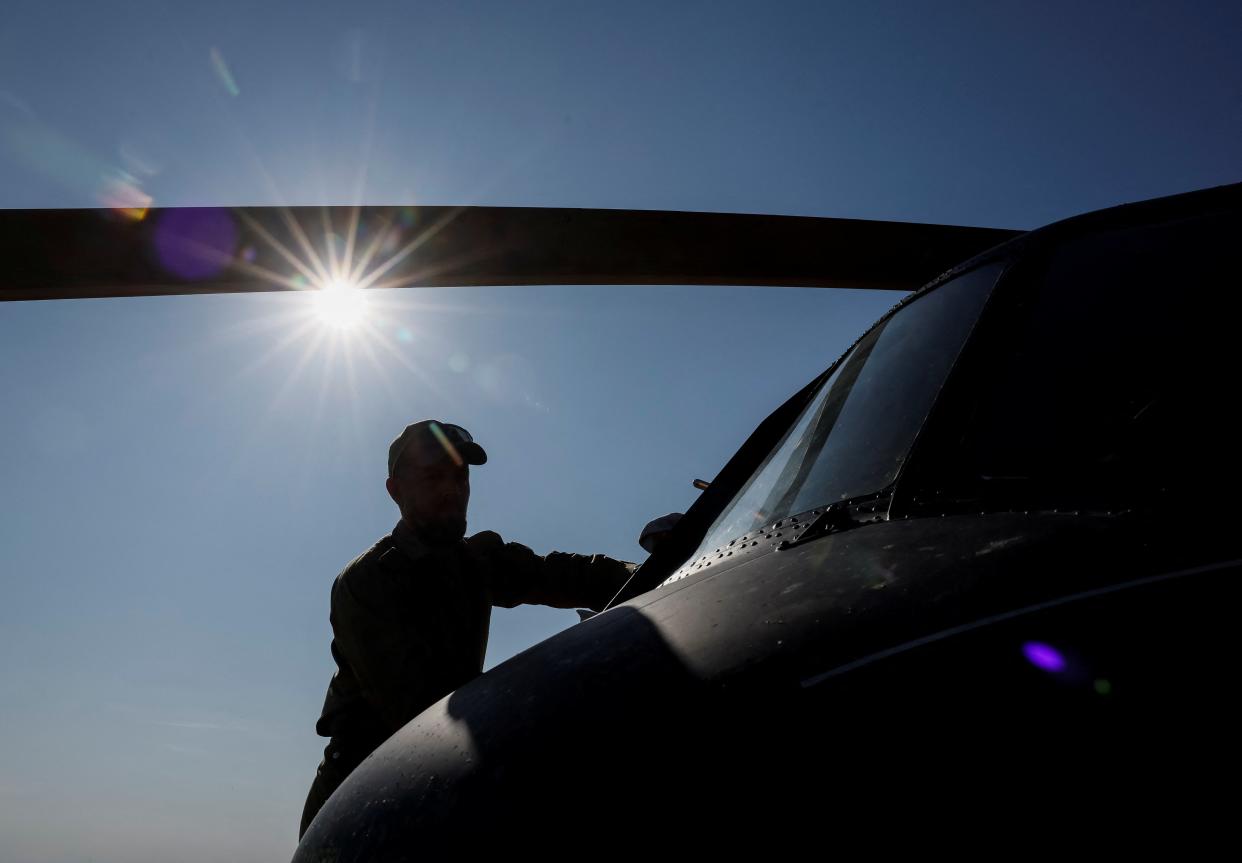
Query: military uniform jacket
x=410, y=622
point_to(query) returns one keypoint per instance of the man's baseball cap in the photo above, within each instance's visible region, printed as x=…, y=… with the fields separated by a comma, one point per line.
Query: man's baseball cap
x=431, y=441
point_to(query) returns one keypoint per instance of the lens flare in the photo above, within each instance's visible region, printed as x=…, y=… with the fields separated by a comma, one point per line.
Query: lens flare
x=196, y=242
x=221, y=68
x=121, y=193
x=1044, y=657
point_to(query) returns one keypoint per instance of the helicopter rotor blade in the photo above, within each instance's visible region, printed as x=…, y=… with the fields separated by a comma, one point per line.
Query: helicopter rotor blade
x=80, y=253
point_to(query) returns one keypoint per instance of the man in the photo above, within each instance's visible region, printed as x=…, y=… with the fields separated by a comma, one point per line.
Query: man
x=410, y=615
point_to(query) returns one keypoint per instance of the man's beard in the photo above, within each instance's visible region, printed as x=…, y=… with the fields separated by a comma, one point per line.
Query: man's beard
x=443, y=531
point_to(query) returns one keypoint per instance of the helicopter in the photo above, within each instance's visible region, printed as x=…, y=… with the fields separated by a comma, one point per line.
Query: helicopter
x=973, y=583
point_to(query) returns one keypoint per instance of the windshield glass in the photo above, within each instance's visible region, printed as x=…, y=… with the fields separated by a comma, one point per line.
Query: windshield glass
x=853, y=436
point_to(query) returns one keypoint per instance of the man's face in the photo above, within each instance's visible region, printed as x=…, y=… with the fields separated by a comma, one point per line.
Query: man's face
x=433, y=498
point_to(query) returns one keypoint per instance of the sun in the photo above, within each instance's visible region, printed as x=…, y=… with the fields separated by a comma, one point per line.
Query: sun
x=341, y=304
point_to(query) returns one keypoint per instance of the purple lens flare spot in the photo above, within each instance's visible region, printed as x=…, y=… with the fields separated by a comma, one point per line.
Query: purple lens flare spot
x=1044, y=657
x=196, y=242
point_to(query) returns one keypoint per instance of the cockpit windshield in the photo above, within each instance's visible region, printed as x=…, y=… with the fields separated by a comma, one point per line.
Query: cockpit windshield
x=853, y=436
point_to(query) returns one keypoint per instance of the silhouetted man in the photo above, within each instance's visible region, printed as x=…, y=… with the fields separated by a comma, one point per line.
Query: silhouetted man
x=410, y=615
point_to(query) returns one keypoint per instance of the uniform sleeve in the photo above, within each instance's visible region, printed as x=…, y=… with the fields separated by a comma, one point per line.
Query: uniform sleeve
x=516, y=575
x=387, y=654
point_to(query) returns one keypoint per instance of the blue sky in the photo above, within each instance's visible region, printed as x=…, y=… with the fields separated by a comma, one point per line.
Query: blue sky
x=185, y=476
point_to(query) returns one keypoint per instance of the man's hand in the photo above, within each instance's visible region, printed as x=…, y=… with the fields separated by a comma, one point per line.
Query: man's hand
x=657, y=530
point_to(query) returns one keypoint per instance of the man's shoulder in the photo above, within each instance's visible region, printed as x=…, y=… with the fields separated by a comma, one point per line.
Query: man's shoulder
x=363, y=571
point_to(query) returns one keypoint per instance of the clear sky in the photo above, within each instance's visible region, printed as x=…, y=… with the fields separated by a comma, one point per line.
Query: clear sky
x=184, y=476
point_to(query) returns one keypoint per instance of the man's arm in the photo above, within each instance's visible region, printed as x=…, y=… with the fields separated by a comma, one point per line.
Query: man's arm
x=385, y=650
x=517, y=575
